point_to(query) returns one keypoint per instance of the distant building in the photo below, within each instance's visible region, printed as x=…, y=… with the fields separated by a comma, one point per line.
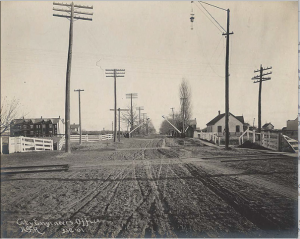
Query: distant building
x=291, y=129
x=292, y=124
x=217, y=124
x=192, y=125
x=37, y=127
x=74, y=128
x=268, y=126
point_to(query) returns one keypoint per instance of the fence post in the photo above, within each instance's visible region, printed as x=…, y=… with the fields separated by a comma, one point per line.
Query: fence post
x=279, y=141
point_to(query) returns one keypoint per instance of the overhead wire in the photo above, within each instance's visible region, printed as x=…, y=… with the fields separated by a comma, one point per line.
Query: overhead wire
x=209, y=18
x=212, y=17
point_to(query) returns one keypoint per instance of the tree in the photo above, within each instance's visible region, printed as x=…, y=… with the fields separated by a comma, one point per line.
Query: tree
x=9, y=111
x=126, y=116
x=185, y=103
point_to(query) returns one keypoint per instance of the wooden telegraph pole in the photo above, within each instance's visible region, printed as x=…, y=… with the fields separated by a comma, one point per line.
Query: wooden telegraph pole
x=131, y=96
x=139, y=109
x=71, y=17
x=115, y=73
x=226, y=34
x=259, y=79
x=119, y=134
x=80, y=132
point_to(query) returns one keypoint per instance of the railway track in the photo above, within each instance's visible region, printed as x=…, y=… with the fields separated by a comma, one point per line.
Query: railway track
x=34, y=169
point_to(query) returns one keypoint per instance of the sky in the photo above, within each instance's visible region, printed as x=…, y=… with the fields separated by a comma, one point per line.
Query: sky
x=154, y=43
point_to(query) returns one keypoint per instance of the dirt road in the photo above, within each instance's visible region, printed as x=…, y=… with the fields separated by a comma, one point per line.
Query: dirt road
x=152, y=188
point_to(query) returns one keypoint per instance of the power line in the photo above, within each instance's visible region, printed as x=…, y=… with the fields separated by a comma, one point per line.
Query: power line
x=209, y=19
x=212, y=17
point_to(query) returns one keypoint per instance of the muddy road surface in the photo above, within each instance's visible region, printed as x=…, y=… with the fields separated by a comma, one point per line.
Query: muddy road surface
x=151, y=188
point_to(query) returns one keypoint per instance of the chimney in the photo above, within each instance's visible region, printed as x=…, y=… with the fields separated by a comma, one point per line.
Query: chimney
x=59, y=117
x=219, y=112
x=41, y=117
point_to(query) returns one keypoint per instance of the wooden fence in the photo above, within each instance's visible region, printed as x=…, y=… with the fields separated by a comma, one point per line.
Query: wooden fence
x=90, y=137
x=85, y=138
x=213, y=137
x=271, y=140
x=26, y=144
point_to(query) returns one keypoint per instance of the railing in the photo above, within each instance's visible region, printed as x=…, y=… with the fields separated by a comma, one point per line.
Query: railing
x=209, y=137
x=267, y=139
x=85, y=138
x=26, y=144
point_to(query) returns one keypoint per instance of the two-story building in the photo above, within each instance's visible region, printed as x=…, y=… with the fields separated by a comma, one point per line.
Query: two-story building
x=37, y=127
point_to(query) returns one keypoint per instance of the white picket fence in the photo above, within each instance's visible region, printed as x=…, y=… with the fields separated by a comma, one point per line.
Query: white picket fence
x=85, y=138
x=208, y=136
x=26, y=144
x=90, y=138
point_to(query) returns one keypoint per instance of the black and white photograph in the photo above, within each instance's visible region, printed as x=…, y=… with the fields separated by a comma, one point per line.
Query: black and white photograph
x=149, y=119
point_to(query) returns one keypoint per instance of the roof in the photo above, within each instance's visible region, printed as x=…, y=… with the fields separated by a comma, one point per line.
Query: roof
x=266, y=125
x=36, y=120
x=220, y=116
x=192, y=122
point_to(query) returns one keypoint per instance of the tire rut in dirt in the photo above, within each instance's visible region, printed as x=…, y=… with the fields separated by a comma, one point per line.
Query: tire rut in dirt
x=258, y=217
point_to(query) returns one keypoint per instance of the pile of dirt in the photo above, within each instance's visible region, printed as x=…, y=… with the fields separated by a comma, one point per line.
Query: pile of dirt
x=250, y=145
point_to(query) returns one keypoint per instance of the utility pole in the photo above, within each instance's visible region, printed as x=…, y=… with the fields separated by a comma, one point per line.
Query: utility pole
x=139, y=109
x=183, y=119
x=115, y=73
x=227, y=34
x=131, y=96
x=259, y=79
x=119, y=120
x=79, y=114
x=112, y=127
x=173, y=113
x=70, y=11
x=144, y=117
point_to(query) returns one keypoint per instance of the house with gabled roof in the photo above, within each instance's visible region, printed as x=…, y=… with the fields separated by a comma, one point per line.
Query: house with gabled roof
x=37, y=127
x=268, y=126
x=217, y=124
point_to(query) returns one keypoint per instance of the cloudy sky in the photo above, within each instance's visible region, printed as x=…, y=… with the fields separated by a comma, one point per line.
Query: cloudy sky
x=154, y=43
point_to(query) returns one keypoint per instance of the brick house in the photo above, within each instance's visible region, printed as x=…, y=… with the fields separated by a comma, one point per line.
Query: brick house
x=37, y=127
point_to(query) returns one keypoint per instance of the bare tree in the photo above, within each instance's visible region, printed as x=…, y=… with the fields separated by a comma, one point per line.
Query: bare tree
x=126, y=116
x=185, y=103
x=9, y=111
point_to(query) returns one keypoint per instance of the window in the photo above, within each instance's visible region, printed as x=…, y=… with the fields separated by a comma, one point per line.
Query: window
x=24, y=126
x=237, y=129
x=44, y=126
x=219, y=129
x=31, y=126
x=50, y=126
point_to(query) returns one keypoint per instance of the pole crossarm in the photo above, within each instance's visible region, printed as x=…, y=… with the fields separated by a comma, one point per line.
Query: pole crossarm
x=69, y=11
x=69, y=5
